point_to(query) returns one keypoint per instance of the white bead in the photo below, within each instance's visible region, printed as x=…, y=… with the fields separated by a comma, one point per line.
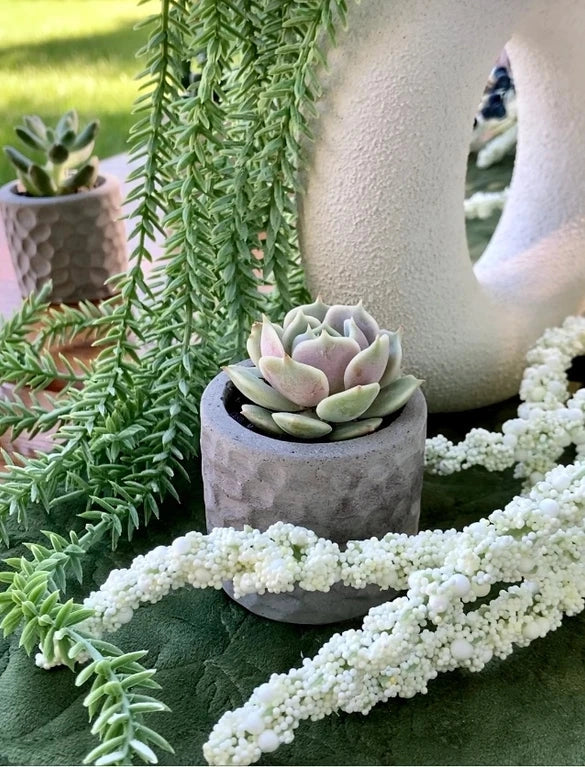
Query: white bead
x=460, y=585
x=510, y=440
x=438, y=603
x=265, y=694
x=561, y=482
x=268, y=741
x=525, y=564
x=181, y=545
x=530, y=630
x=461, y=649
x=124, y=615
x=549, y=507
x=481, y=589
x=578, y=437
x=254, y=723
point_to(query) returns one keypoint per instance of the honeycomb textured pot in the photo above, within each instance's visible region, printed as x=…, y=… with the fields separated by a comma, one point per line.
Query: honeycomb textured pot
x=359, y=488
x=77, y=240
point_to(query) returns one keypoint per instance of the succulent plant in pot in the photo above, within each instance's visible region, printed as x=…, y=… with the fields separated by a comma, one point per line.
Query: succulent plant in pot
x=61, y=216
x=320, y=429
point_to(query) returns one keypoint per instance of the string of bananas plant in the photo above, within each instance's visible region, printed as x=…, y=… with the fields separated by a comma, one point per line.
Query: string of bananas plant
x=216, y=167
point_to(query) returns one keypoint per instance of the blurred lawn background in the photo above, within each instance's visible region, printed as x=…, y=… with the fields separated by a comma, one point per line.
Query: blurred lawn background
x=61, y=54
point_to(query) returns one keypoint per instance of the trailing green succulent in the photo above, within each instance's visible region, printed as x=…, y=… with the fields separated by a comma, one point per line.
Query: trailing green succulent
x=214, y=167
x=328, y=371
x=68, y=165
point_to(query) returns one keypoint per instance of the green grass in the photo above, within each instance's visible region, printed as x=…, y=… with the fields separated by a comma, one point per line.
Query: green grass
x=61, y=54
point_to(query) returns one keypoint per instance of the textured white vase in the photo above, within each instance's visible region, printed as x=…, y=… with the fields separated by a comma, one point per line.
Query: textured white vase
x=382, y=215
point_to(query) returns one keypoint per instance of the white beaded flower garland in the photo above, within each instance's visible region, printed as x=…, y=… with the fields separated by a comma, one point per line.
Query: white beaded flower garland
x=529, y=558
x=549, y=418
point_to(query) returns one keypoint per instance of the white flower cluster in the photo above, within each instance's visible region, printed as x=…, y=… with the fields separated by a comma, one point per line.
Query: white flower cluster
x=483, y=204
x=274, y=561
x=470, y=595
x=529, y=559
x=501, y=145
x=549, y=419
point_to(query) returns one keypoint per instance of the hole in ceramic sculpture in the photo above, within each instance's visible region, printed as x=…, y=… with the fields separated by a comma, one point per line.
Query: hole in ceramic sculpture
x=491, y=157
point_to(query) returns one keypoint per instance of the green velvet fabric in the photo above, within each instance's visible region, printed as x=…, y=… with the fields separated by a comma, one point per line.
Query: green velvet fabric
x=528, y=709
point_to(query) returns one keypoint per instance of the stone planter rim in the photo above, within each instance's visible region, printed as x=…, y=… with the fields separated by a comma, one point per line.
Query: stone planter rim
x=254, y=441
x=9, y=197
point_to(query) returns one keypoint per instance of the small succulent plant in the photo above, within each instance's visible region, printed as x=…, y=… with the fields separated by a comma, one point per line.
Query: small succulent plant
x=68, y=164
x=327, y=372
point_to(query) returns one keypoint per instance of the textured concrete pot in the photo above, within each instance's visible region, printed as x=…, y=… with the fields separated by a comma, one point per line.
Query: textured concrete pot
x=355, y=489
x=76, y=240
x=382, y=216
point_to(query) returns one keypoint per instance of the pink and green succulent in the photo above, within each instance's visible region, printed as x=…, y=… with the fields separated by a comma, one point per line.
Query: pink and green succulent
x=326, y=372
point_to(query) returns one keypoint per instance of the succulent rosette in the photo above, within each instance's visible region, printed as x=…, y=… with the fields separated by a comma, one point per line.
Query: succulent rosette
x=326, y=372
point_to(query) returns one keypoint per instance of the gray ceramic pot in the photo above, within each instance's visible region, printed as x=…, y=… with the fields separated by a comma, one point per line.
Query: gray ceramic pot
x=355, y=489
x=76, y=240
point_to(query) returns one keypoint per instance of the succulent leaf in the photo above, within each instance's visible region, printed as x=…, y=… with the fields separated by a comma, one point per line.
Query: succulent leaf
x=42, y=181
x=27, y=183
x=86, y=176
x=257, y=390
x=393, y=397
x=298, y=324
x=253, y=343
x=329, y=354
x=317, y=309
x=369, y=365
x=392, y=371
x=365, y=322
x=351, y=330
x=270, y=343
x=337, y=315
x=20, y=161
x=328, y=329
x=69, y=121
x=349, y=404
x=308, y=335
x=36, y=126
x=29, y=138
x=302, y=426
x=68, y=138
x=304, y=385
x=87, y=135
x=262, y=419
x=58, y=154
x=355, y=429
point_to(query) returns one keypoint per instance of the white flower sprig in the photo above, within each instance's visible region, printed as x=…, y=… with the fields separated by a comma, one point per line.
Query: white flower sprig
x=483, y=204
x=549, y=419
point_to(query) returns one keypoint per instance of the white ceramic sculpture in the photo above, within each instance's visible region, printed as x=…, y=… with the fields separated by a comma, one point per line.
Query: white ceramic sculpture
x=382, y=215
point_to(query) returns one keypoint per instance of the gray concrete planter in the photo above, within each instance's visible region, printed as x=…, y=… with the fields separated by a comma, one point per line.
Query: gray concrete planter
x=359, y=488
x=77, y=240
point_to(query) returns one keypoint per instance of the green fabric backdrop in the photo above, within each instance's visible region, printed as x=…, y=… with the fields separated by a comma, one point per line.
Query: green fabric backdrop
x=528, y=709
